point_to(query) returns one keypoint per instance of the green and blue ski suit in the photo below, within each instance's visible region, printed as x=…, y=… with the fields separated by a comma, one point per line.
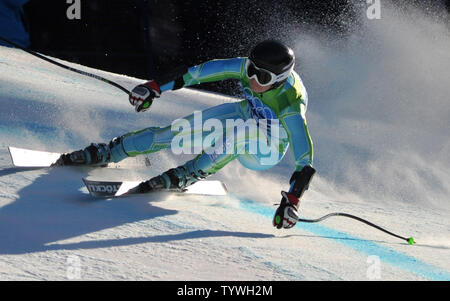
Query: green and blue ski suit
x=285, y=104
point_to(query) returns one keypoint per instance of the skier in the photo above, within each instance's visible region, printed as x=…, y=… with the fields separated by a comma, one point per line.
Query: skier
x=273, y=92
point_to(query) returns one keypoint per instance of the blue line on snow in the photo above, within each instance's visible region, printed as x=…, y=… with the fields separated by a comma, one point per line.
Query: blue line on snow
x=390, y=256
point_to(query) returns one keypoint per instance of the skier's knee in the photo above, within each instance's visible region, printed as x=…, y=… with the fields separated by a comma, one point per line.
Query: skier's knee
x=140, y=142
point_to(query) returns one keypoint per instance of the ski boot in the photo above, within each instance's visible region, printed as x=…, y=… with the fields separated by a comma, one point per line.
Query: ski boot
x=175, y=179
x=96, y=154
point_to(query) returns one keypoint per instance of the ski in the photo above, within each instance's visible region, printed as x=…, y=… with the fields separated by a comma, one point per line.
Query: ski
x=29, y=158
x=22, y=157
x=111, y=189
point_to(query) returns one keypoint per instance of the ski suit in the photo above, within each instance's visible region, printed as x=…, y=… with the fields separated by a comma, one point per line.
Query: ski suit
x=284, y=106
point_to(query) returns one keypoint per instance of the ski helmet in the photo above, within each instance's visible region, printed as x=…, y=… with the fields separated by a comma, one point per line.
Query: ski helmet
x=275, y=57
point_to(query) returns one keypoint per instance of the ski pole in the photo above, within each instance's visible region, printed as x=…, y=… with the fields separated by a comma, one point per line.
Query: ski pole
x=409, y=240
x=67, y=67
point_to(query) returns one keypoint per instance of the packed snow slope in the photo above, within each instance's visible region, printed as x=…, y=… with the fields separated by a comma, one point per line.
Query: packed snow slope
x=379, y=121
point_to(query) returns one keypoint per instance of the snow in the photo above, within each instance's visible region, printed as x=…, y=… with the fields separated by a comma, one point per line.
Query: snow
x=383, y=160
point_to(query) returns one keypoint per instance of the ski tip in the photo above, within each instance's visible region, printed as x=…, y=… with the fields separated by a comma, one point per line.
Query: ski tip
x=29, y=158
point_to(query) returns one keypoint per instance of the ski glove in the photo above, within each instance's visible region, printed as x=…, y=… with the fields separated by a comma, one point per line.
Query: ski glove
x=142, y=96
x=286, y=215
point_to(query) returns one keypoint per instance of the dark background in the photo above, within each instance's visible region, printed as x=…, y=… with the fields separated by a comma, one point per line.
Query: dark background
x=151, y=38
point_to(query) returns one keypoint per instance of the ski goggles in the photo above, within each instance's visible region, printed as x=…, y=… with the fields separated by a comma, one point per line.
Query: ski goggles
x=264, y=77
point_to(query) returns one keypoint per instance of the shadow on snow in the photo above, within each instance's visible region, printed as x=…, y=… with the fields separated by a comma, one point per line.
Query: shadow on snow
x=53, y=208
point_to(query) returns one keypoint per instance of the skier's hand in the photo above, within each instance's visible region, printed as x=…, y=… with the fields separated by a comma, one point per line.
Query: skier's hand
x=286, y=215
x=142, y=96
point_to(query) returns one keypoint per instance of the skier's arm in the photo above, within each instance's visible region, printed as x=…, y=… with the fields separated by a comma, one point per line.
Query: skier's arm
x=286, y=215
x=210, y=71
x=141, y=97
